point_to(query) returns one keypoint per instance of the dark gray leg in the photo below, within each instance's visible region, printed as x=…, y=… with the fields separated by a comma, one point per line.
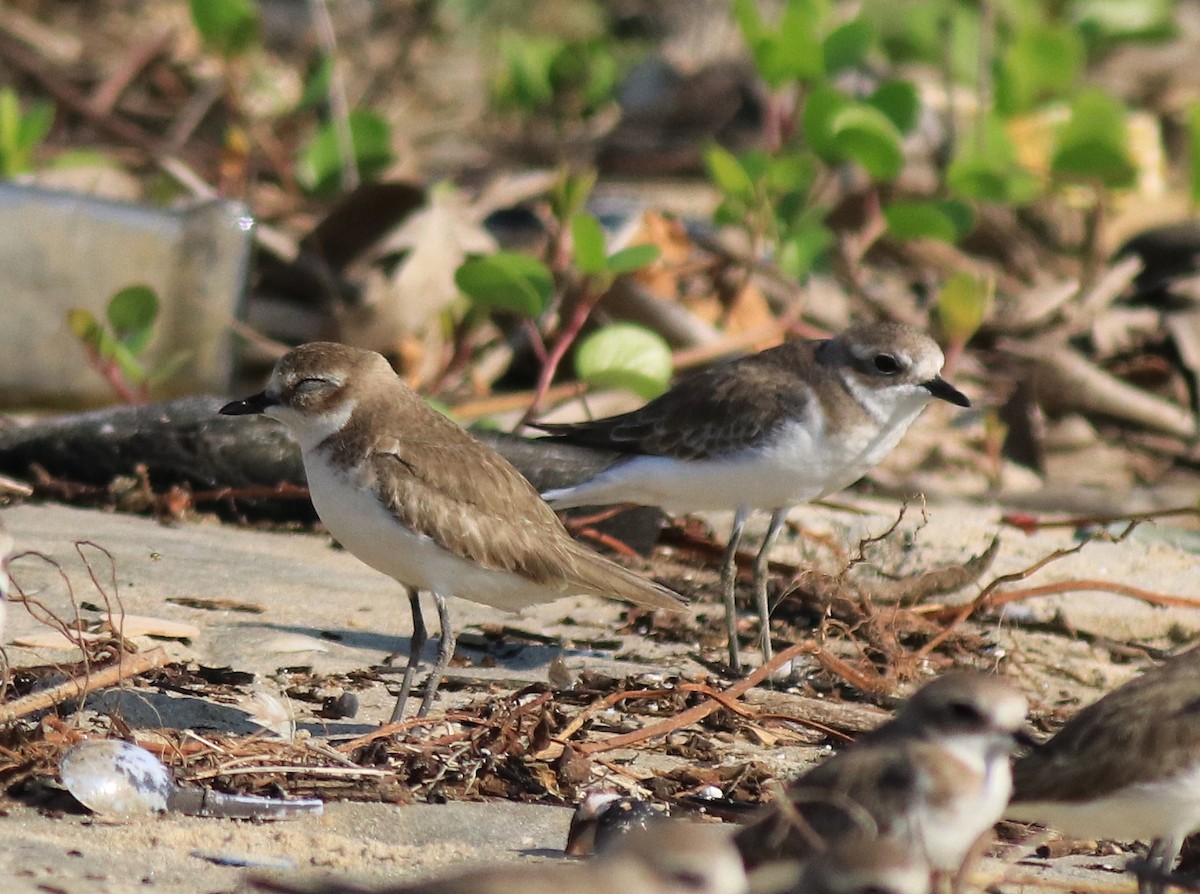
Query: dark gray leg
x=416, y=646
x=445, y=653
x=729, y=587
x=1156, y=868
x=762, y=572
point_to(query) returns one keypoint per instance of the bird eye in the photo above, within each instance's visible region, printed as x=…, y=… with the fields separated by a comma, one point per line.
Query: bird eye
x=964, y=711
x=311, y=386
x=886, y=364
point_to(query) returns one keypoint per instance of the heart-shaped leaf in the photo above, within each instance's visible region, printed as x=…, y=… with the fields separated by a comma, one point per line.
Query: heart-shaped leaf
x=131, y=313
x=625, y=355
x=866, y=135
x=507, y=281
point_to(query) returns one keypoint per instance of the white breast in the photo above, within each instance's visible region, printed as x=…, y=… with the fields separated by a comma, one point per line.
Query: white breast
x=361, y=523
x=949, y=830
x=802, y=462
x=1144, y=811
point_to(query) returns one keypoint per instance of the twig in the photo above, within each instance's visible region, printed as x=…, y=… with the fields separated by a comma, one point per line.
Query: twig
x=699, y=712
x=77, y=687
x=1031, y=524
x=298, y=769
x=985, y=598
x=109, y=91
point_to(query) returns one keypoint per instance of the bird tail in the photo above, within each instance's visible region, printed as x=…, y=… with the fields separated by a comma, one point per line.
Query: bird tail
x=604, y=577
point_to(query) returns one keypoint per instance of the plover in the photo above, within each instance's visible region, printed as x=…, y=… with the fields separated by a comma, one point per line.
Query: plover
x=788, y=425
x=415, y=496
x=1127, y=767
x=673, y=857
x=935, y=778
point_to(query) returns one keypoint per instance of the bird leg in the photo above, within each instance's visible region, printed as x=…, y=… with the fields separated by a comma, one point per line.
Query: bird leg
x=416, y=645
x=762, y=569
x=729, y=587
x=1154, y=873
x=444, y=654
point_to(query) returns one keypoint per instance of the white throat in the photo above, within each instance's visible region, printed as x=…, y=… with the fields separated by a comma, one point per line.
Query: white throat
x=310, y=429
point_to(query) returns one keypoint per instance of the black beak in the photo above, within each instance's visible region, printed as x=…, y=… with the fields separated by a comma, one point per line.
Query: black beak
x=941, y=389
x=252, y=405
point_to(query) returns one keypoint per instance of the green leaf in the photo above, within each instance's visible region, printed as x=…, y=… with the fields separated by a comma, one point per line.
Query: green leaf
x=988, y=169
x=131, y=314
x=525, y=81
x=963, y=305
x=791, y=172
x=319, y=165
x=899, y=101
x=1094, y=143
x=167, y=369
x=847, y=45
x=84, y=158
x=131, y=368
x=793, y=51
x=800, y=53
x=804, y=248
x=583, y=76
x=635, y=257
x=571, y=192
x=1110, y=21
x=625, y=355
x=506, y=281
x=1193, y=119
x=727, y=172
x=822, y=106
x=35, y=126
x=21, y=132
x=1043, y=62
x=919, y=220
x=866, y=135
x=316, y=84
x=960, y=214
x=748, y=19
x=85, y=327
x=587, y=236
x=228, y=27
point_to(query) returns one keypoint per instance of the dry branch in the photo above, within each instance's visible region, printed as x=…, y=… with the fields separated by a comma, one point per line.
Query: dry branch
x=77, y=687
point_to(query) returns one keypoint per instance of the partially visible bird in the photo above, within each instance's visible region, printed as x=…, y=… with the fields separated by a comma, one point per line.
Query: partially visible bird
x=1125, y=767
x=935, y=779
x=672, y=857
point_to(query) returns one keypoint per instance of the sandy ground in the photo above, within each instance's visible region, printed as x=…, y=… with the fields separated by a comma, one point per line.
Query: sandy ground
x=316, y=605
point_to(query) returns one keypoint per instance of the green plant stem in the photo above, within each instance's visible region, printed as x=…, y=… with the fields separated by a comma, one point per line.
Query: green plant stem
x=125, y=391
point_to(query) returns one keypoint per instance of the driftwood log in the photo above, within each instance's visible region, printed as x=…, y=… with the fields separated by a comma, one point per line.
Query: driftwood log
x=187, y=443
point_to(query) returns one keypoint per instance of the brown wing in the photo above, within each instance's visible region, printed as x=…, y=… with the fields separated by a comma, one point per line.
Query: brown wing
x=882, y=783
x=713, y=412
x=1155, y=716
x=472, y=502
